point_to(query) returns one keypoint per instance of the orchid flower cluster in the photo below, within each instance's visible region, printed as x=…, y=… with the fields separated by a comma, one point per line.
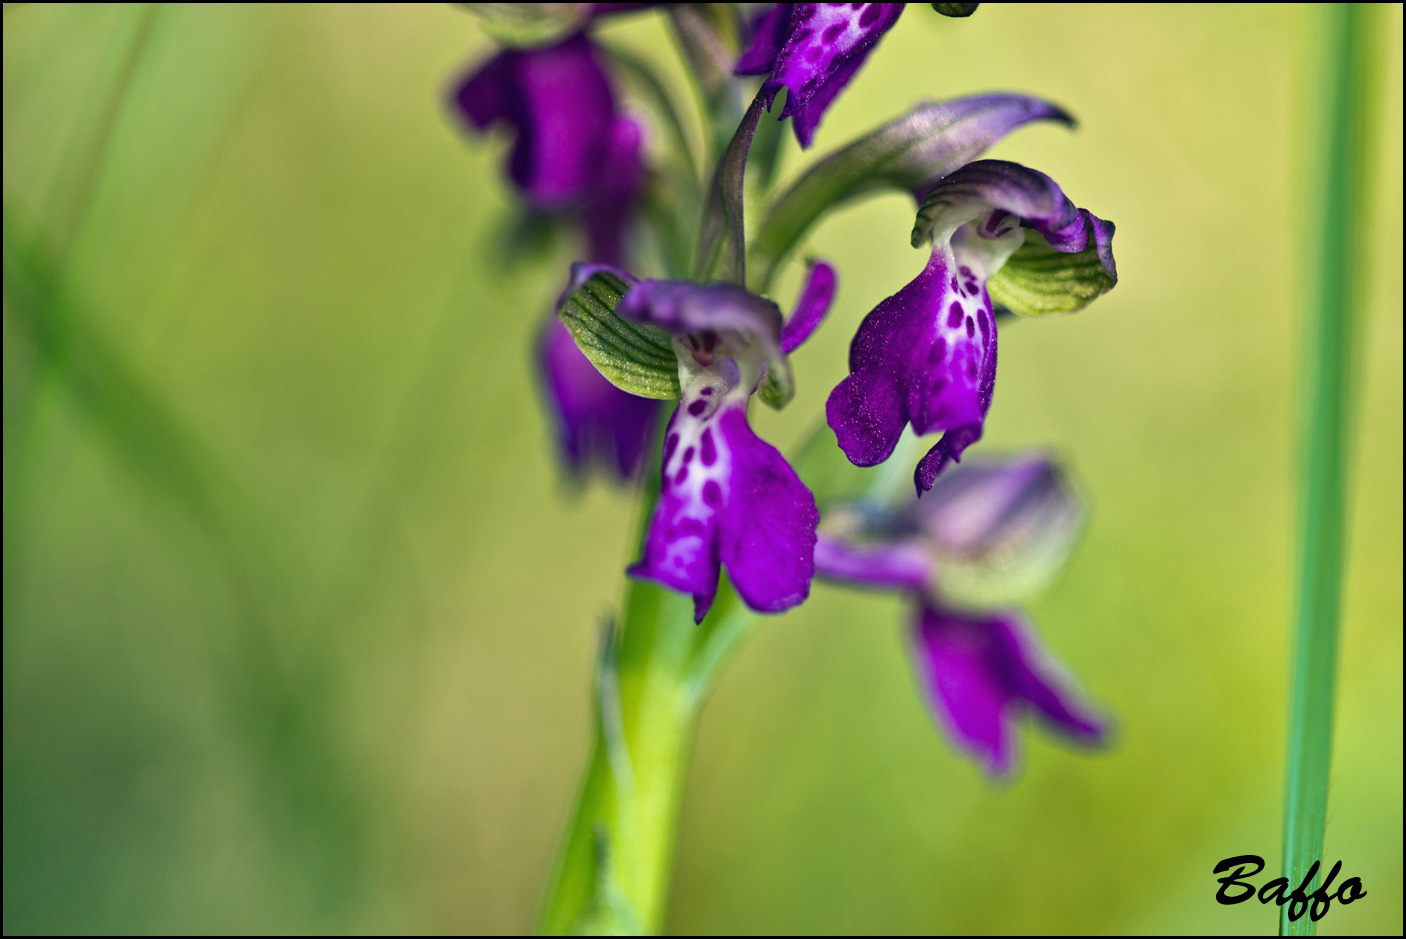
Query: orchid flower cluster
x=669, y=302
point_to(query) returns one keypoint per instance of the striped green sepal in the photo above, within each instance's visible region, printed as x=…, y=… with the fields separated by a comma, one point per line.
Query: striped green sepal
x=1037, y=279
x=635, y=357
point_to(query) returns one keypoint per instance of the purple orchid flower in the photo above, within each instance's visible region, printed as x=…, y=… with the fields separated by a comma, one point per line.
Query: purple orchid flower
x=559, y=104
x=727, y=497
x=980, y=671
x=575, y=155
x=927, y=355
x=813, y=50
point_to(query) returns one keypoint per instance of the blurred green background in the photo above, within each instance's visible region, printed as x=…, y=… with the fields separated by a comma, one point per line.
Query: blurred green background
x=299, y=617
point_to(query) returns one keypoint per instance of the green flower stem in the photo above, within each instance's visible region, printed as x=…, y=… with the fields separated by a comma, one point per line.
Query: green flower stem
x=653, y=676
x=1335, y=294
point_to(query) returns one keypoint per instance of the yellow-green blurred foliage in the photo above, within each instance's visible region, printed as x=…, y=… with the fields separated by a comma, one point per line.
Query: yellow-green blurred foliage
x=299, y=616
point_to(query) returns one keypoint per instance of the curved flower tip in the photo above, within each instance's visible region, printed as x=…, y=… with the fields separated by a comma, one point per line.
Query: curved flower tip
x=927, y=355
x=982, y=674
x=598, y=426
x=558, y=103
x=813, y=50
x=726, y=497
x=811, y=307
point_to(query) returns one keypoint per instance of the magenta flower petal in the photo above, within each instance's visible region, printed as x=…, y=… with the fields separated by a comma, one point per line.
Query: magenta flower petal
x=813, y=50
x=598, y=426
x=982, y=674
x=558, y=103
x=768, y=32
x=904, y=565
x=811, y=308
x=611, y=204
x=728, y=497
x=925, y=356
x=767, y=541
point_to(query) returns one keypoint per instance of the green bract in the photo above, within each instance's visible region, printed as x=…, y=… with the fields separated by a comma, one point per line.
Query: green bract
x=635, y=357
x=1037, y=279
x=524, y=25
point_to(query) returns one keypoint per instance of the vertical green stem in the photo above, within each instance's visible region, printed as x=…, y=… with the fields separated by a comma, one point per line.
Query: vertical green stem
x=652, y=677
x=1333, y=298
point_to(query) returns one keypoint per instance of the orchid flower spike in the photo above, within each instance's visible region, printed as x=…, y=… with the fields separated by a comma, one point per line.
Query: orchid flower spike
x=927, y=355
x=988, y=533
x=727, y=497
x=813, y=50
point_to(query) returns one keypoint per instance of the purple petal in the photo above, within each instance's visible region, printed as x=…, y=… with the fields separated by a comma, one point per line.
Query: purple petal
x=683, y=307
x=901, y=564
x=824, y=45
x=1024, y=195
x=926, y=355
x=728, y=497
x=681, y=548
x=1102, y=232
x=811, y=308
x=985, y=506
x=944, y=453
x=769, y=33
x=998, y=195
x=558, y=102
x=807, y=112
x=767, y=539
x=613, y=201
x=598, y=425
x=981, y=674
x=486, y=96
x=970, y=127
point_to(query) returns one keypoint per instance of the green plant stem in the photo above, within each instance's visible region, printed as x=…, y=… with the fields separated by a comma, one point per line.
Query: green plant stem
x=651, y=682
x=1333, y=299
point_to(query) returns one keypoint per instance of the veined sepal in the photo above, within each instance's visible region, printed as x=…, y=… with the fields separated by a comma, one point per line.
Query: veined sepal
x=635, y=357
x=1038, y=280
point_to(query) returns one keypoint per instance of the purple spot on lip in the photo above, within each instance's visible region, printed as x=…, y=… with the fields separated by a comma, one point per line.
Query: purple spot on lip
x=971, y=328
x=966, y=271
x=971, y=369
x=832, y=32
x=868, y=17
x=683, y=473
x=712, y=493
x=954, y=315
x=688, y=456
x=697, y=407
x=707, y=451
x=955, y=286
x=670, y=445
x=707, y=392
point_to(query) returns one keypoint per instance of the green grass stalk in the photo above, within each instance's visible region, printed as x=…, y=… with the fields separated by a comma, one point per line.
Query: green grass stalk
x=1333, y=300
